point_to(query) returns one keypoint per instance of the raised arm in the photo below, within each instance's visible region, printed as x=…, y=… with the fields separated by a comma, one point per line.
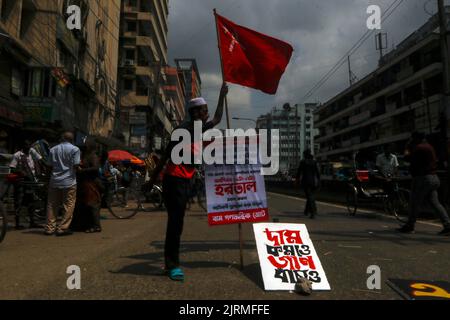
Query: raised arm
x=219, y=111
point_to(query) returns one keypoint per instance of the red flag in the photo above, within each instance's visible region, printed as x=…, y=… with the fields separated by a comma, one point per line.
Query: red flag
x=250, y=58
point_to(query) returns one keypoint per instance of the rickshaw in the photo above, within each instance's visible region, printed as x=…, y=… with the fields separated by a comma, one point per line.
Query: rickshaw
x=364, y=189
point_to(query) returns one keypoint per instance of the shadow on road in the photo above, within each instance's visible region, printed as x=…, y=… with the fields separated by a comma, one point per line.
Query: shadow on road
x=152, y=263
x=253, y=273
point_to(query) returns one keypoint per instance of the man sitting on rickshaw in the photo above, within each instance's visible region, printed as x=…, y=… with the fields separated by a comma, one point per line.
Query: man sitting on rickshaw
x=387, y=165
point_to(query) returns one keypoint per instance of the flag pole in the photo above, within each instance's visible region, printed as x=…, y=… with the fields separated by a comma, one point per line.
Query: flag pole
x=241, y=239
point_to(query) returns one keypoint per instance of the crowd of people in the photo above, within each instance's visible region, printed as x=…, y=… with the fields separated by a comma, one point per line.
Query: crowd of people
x=80, y=182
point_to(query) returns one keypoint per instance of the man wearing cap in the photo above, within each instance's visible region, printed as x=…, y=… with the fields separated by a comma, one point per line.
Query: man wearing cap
x=176, y=182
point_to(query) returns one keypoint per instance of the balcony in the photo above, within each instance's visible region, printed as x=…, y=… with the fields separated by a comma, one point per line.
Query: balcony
x=131, y=99
x=147, y=44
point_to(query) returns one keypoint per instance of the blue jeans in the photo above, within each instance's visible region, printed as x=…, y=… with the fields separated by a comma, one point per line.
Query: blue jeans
x=424, y=189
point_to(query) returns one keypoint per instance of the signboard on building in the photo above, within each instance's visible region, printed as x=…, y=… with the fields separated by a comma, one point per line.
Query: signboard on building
x=138, y=118
x=38, y=109
x=157, y=143
x=287, y=254
x=235, y=194
x=139, y=130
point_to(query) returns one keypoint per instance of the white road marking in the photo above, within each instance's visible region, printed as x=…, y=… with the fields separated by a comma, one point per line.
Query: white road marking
x=331, y=205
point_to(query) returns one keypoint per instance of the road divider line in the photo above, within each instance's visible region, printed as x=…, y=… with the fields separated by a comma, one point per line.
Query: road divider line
x=327, y=204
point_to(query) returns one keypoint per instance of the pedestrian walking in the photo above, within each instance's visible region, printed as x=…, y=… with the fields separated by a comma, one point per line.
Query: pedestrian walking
x=176, y=181
x=308, y=176
x=62, y=193
x=425, y=183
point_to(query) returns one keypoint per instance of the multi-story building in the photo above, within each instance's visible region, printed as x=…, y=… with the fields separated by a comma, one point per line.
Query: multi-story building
x=175, y=93
x=404, y=94
x=191, y=81
x=54, y=79
x=296, y=127
x=145, y=117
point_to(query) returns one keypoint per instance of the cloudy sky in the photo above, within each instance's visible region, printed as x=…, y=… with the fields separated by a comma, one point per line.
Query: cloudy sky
x=321, y=32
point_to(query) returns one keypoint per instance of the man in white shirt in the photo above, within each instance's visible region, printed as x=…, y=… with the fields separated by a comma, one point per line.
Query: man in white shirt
x=387, y=163
x=65, y=161
x=25, y=163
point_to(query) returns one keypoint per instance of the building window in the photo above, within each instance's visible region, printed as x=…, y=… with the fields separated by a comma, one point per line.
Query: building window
x=131, y=26
x=130, y=54
x=16, y=82
x=40, y=84
x=128, y=85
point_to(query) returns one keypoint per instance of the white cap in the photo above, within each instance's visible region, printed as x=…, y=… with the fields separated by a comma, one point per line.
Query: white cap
x=197, y=102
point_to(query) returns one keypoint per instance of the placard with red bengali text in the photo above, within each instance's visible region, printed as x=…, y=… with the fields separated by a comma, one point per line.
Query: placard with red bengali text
x=286, y=254
x=235, y=194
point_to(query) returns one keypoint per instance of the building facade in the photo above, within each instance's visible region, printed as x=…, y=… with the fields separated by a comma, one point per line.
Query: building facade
x=190, y=77
x=296, y=127
x=175, y=93
x=54, y=79
x=145, y=115
x=404, y=94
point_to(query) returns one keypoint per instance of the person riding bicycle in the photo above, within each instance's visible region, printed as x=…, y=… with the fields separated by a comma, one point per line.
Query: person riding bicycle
x=176, y=183
x=25, y=164
x=387, y=165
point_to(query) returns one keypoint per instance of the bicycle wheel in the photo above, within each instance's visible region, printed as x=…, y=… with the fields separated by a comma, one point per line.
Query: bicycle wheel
x=400, y=205
x=352, y=200
x=124, y=210
x=148, y=201
x=3, y=222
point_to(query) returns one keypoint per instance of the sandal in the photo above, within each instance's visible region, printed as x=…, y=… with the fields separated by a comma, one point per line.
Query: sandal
x=176, y=274
x=90, y=231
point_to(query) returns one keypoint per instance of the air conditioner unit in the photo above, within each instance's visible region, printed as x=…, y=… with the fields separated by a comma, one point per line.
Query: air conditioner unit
x=129, y=62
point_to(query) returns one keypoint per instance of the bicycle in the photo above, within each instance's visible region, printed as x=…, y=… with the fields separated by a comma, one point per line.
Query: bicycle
x=32, y=195
x=138, y=199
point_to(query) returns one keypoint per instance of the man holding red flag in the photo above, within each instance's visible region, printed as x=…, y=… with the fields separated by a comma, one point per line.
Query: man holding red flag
x=250, y=58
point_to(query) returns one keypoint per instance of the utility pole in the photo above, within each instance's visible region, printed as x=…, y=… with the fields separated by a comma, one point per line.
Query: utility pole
x=381, y=43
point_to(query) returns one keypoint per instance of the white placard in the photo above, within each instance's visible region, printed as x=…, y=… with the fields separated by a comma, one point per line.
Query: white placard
x=235, y=194
x=287, y=253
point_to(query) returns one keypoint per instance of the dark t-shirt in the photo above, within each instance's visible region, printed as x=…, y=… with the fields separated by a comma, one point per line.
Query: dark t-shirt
x=309, y=173
x=185, y=171
x=423, y=160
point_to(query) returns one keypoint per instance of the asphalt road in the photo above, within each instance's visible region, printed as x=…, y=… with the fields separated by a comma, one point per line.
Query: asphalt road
x=126, y=260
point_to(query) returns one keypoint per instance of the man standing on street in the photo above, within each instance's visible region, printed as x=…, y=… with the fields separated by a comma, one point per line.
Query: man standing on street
x=25, y=162
x=65, y=161
x=425, y=184
x=176, y=183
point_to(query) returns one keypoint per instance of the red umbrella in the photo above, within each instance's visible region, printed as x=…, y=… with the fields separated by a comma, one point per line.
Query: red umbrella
x=120, y=155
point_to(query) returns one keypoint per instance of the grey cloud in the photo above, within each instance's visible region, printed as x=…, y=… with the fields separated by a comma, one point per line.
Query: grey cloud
x=321, y=32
